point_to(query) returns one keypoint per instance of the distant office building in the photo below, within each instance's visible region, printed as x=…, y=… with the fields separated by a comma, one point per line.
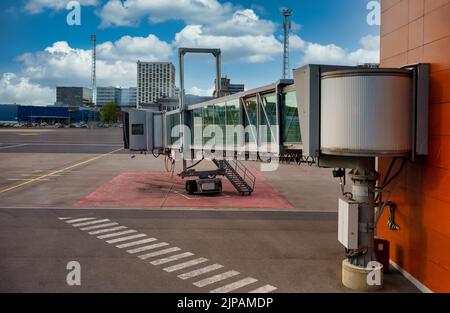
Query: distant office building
x=73, y=96
x=155, y=80
x=123, y=97
x=227, y=88
x=128, y=97
x=106, y=95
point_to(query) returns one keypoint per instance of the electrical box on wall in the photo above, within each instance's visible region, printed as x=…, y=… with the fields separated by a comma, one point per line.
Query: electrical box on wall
x=348, y=223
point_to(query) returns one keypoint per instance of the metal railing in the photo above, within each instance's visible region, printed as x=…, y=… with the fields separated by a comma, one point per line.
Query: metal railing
x=244, y=172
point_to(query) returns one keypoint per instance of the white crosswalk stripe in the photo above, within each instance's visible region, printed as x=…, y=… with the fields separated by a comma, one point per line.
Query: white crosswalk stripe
x=84, y=219
x=121, y=239
x=158, y=253
x=121, y=233
x=200, y=271
x=216, y=278
x=146, y=248
x=125, y=232
x=236, y=285
x=184, y=265
x=172, y=258
x=264, y=289
x=114, y=233
x=90, y=223
x=136, y=243
x=107, y=230
x=99, y=226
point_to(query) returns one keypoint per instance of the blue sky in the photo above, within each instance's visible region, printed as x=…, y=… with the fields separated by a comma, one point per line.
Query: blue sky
x=40, y=50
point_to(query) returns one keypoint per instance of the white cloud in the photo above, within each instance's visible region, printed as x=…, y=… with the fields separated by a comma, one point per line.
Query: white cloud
x=132, y=49
x=216, y=18
x=242, y=22
x=201, y=92
x=248, y=48
x=38, y=6
x=20, y=90
x=131, y=12
x=61, y=64
x=333, y=54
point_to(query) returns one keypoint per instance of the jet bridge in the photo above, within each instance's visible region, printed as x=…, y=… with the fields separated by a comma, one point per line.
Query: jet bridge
x=342, y=118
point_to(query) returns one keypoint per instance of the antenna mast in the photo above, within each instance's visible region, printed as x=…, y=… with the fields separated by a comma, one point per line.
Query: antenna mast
x=287, y=13
x=94, y=69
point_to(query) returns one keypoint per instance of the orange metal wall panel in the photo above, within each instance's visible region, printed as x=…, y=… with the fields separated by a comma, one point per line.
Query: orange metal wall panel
x=422, y=246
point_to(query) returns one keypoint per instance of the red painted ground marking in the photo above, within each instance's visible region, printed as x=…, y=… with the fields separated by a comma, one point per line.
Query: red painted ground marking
x=161, y=190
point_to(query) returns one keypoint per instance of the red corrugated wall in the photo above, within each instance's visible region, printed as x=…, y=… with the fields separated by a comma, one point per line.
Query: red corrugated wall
x=419, y=31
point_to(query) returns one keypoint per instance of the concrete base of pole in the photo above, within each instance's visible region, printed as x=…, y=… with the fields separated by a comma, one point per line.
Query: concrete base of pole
x=356, y=278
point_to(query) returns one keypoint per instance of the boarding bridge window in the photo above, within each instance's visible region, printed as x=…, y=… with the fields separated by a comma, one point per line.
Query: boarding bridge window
x=208, y=120
x=197, y=134
x=137, y=129
x=291, y=123
x=220, y=121
x=232, y=121
x=251, y=119
x=269, y=121
x=173, y=121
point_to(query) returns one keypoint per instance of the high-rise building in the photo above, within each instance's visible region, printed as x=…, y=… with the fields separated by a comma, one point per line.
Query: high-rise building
x=227, y=88
x=155, y=80
x=73, y=96
x=106, y=95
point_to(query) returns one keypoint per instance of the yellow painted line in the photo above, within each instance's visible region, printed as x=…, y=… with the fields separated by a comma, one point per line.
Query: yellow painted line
x=58, y=171
x=26, y=179
x=27, y=134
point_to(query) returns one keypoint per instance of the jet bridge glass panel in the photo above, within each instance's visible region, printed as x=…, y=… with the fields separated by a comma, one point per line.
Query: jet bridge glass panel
x=268, y=118
x=250, y=119
x=291, y=123
x=233, y=121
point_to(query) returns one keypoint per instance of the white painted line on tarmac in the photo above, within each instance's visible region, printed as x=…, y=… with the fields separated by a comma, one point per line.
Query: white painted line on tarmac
x=200, y=271
x=158, y=253
x=99, y=226
x=126, y=238
x=236, y=285
x=172, y=258
x=146, y=248
x=136, y=243
x=107, y=230
x=184, y=265
x=91, y=223
x=264, y=289
x=84, y=219
x=125, y=232
x=215, y=278
x=15, y=146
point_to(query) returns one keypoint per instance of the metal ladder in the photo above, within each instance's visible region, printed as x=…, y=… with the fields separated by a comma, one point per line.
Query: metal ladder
x=239, y=176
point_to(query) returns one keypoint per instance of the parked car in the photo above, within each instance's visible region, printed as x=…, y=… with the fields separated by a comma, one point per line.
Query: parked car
x=59, y=125
x=44, y=124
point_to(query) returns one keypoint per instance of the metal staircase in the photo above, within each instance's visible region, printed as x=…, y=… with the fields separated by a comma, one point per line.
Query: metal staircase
x=239, y=176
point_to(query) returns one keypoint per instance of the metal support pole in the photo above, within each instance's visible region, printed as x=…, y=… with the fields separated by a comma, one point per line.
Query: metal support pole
x=182, y=103
x=181, y=53
x=364, y=182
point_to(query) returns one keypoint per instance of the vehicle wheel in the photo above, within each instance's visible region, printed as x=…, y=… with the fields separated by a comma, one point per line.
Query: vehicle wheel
x=191, y=187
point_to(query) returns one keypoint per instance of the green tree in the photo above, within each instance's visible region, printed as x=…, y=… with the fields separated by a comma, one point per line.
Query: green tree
x=109, y=113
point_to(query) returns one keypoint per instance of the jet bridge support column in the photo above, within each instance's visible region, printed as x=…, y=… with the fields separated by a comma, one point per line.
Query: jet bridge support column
x=361, y=271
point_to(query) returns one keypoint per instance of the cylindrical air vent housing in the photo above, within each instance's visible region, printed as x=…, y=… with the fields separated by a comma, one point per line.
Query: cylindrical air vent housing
x=366, y=112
